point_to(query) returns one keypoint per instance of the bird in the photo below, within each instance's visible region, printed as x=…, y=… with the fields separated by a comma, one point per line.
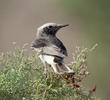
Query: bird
x=53, y=50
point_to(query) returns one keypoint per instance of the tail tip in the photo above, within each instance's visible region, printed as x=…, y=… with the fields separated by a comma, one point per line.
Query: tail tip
x=71, y=73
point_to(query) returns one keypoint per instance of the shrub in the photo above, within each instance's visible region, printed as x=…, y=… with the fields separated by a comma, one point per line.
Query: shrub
x=22, y=78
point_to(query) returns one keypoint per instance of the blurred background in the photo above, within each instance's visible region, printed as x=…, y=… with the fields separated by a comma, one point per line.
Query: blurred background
x=89, y=24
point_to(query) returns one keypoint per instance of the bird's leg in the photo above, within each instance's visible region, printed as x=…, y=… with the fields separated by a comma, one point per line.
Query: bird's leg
x=45, y=67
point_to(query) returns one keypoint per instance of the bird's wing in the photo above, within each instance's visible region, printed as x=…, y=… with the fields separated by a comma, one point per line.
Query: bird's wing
x=55, y=48
x=60, y=45
x=38, y=43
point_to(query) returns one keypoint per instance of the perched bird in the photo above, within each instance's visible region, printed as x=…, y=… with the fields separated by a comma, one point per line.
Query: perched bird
x=53, y=50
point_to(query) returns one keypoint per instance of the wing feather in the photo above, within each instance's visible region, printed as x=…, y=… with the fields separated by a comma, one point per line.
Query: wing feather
x=54, y=47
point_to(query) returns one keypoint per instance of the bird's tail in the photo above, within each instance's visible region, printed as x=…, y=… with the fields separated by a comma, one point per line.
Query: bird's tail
x=61, y=68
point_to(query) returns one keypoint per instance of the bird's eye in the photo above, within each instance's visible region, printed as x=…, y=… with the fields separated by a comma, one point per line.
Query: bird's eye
x=50, y=26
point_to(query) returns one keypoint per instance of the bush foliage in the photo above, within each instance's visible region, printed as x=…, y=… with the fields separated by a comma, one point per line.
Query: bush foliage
x=22, y=77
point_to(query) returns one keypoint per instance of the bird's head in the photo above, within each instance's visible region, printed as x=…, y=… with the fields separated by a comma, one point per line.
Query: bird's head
x=49, y=29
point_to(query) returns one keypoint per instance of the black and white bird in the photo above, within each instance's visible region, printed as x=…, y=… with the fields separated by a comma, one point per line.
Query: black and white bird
x=53, y=50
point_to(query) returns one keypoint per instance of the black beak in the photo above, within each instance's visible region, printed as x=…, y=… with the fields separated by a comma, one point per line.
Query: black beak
x=62, y=25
